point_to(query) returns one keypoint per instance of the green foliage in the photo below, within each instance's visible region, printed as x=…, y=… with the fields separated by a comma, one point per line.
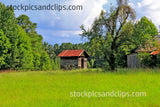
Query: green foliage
x=36, y=61
x=121, y=60
x=56, y=49
x=144, y=38
x=110, y=38
x=9, y=27
x=45, y=63
x=21, y=46
x=41, y=60
x=56, y=63
x=144, y=34
x=25, y=51
x=109, y=32
x=18, y=55
x=26, y=24
x=66, y=46
x=88, y=65
x=4, y=47
x=147, y=59
x=49, y=49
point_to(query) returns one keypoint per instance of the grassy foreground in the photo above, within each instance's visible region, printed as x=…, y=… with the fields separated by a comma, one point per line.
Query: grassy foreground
x=52, y=89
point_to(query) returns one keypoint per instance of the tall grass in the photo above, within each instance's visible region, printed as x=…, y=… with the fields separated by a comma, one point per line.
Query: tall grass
x=52, y=88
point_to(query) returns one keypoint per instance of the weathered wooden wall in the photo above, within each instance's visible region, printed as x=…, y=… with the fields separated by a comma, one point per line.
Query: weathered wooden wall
x=79, y=62
x=68, y=63
x=73, y=62
x=85, y=63
x=133, y=61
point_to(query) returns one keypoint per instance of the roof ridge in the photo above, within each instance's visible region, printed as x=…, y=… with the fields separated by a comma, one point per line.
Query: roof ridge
x=70, y=53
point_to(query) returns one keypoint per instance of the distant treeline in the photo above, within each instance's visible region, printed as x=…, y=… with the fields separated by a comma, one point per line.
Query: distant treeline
x=21, y=48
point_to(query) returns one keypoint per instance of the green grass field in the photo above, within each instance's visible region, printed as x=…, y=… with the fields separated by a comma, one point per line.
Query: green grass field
x=52, y=89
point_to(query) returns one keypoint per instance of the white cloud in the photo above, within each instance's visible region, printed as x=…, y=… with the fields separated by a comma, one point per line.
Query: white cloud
x=68, y=33
x=60, y=36
x=132, y=5
x=60, y=33
x=146, y=2
x=64, y=23
x=68, y=22
x=93, y=10
x=67, y=19
x=74, y=19
x=151, y=9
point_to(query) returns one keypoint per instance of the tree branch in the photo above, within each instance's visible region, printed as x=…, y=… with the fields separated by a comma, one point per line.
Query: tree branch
x=120, y=28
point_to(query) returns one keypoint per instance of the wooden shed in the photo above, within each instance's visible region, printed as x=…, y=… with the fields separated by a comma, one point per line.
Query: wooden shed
x=134, y=62
x=73, y=59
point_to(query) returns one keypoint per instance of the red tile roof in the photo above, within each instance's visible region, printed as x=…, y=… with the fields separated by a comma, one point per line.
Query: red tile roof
x=71, y=53
x=155, y=52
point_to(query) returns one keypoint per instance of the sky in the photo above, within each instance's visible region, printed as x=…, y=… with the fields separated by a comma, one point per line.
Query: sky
x=64, y=26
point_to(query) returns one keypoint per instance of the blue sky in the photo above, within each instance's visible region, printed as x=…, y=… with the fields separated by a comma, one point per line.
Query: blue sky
x=64, y=26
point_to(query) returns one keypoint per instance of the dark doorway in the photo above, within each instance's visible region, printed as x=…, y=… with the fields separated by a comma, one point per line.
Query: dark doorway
x=82, y=63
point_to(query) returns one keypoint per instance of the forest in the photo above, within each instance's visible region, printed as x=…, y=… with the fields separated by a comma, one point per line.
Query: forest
x=112, y=36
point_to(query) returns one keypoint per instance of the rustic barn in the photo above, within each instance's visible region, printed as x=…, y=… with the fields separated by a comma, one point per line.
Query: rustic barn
x=134, y=62
x=73, y=59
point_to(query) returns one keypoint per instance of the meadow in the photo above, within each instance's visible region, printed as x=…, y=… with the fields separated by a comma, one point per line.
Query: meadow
x=53, y=88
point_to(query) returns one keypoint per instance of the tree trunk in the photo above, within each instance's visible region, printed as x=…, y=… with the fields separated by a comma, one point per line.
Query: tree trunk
x=112, y=58
x=112, y=62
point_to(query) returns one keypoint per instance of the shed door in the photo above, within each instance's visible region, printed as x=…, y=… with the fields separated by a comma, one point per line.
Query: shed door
x=82, y=63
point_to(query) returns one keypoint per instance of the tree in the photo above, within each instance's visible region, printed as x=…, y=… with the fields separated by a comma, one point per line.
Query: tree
x=105, y=35
x=144, y=38
x=16, y=51
x=25, y=55
x=30, y=28
x=9, y=26
x=144, y=34
x=41, y=60
x=26, y=24
x=45, y=63
x=66, y=46
x=50, y=50
x=56, y=49
x=20, y=45
x=37, y=61
x=4, y=47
